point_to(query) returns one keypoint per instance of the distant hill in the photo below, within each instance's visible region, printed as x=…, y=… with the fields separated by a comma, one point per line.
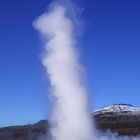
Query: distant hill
x=121, y=118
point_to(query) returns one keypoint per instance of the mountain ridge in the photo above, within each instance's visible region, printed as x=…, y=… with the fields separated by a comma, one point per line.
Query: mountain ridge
x=119, y=108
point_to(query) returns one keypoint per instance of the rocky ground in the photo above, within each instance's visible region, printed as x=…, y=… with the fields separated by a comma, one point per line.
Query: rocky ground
x=121, y=118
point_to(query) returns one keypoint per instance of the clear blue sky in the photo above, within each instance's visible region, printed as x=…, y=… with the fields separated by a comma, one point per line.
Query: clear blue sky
x=110, y=51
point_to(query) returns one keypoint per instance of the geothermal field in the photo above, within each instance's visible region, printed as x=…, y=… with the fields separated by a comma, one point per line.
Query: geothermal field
x=69, y=112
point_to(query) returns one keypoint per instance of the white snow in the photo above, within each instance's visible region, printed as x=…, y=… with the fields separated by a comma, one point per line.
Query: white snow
x=119, y=108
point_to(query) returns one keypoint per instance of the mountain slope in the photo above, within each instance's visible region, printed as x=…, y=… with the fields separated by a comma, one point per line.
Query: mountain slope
x=121, y=118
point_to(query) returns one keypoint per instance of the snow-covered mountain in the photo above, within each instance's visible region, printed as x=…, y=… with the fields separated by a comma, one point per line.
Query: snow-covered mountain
x=121, y=118
x=119, y=108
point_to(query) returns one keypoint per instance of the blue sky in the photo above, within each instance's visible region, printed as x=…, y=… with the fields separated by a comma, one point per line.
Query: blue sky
x=110, y=53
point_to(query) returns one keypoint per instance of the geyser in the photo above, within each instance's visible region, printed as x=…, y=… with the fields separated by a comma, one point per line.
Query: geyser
x=70, y=118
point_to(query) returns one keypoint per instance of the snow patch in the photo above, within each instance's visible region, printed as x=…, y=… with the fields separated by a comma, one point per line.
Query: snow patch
x=119, y=108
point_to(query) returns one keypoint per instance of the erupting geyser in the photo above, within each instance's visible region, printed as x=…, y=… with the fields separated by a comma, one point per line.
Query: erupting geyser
x=70, y=118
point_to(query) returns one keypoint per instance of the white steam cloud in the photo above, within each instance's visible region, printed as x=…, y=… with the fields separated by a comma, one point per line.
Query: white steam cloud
x=114, y=136
x=70, y=118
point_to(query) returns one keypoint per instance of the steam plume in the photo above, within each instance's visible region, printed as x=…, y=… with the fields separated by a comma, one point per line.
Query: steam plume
x=70, y=117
